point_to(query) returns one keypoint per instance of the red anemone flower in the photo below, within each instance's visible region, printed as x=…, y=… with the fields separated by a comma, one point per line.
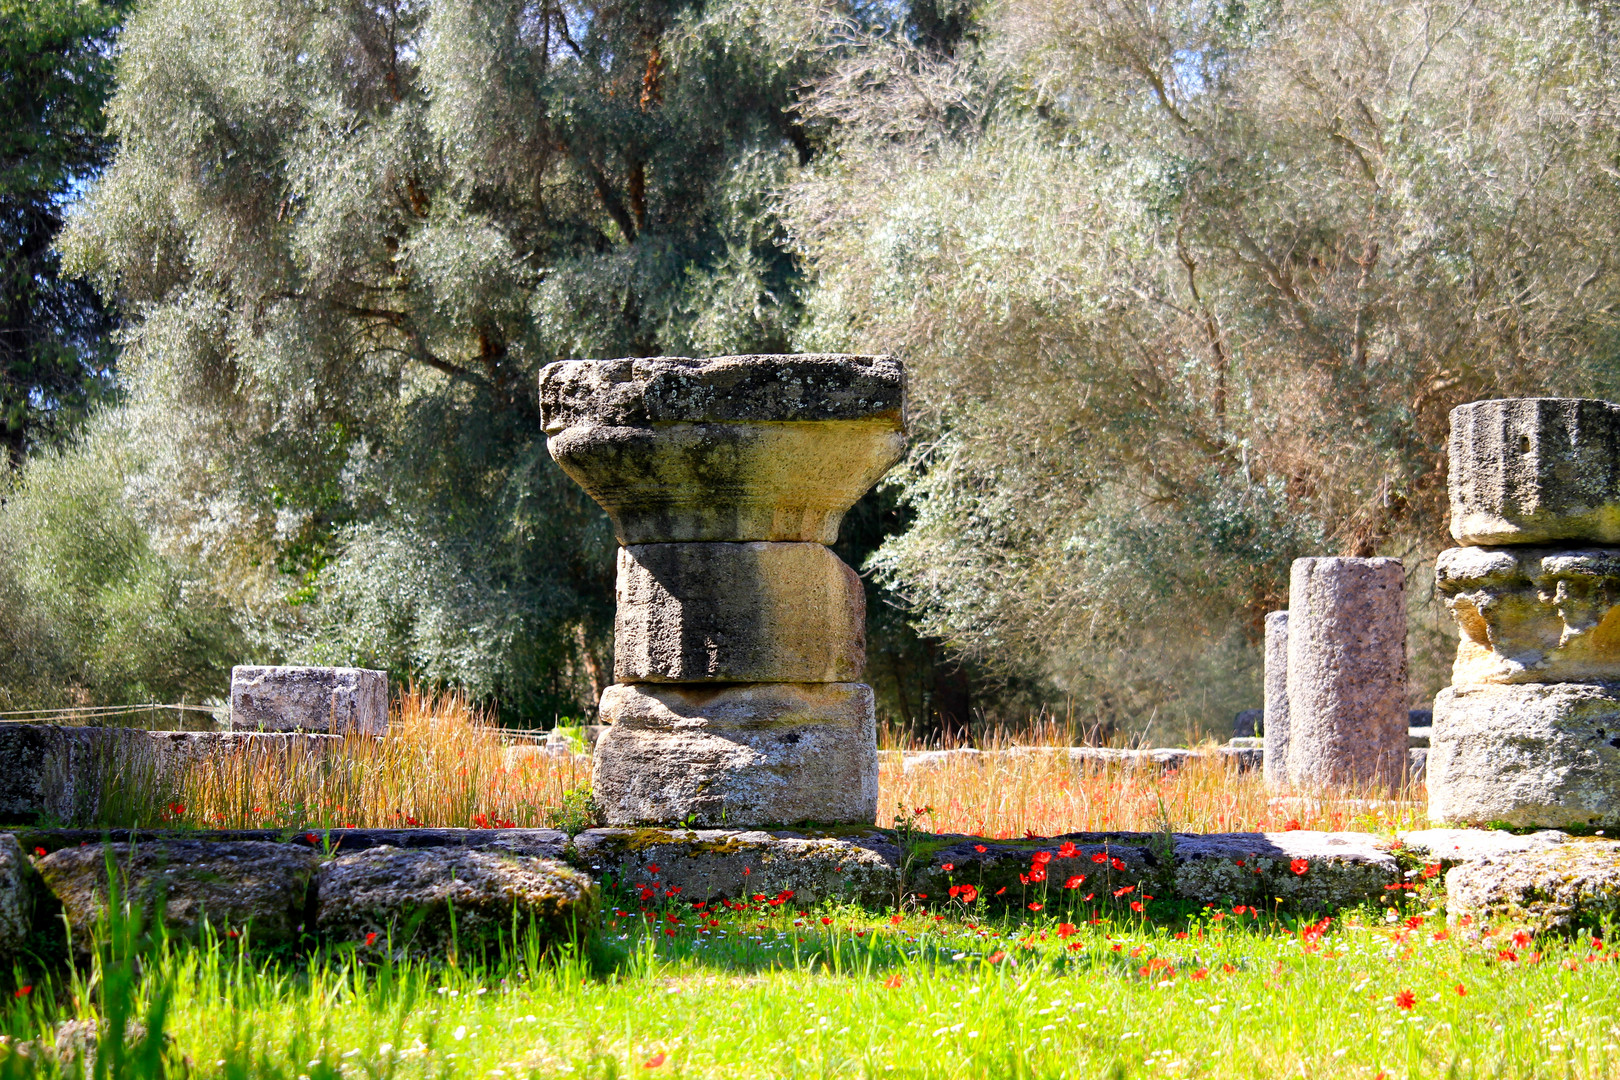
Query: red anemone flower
x=1299, y=866
x=1405, y=999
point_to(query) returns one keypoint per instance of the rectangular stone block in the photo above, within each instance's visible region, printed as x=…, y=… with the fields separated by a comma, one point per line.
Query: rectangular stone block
x=750, y=612
x=1527, y=755
x=769, y=754
x=1533, y=470
x=330, y=700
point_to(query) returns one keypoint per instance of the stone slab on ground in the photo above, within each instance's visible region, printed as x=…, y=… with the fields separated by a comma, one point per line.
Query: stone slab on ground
x=1558, y=887
x=231, y=884
x=1468, y=845
x=548, y=842
x=1244, y=757
x=1303, y=868
x=328, y=700
x=881, y=868
x=433, y=900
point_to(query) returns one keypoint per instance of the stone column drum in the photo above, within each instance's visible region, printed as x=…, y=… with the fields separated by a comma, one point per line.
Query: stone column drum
x=1528, y=732
x=1274, y=755
x=1347, y=693
x=739, y=636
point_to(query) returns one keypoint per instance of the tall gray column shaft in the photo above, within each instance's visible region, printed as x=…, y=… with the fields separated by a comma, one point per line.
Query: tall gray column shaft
x=1347, y=688
x=1276, y=723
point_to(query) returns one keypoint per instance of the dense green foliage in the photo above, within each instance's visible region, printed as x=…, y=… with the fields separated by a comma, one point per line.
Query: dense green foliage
x=1188, y=290
x=55, y=75
x=346, y=238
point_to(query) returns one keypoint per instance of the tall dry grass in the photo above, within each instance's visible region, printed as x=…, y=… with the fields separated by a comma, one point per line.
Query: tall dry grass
x=1011, y=795
x=443, y=764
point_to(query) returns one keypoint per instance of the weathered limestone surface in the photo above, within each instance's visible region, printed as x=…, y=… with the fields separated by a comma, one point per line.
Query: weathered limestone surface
x=1533, y=754
x=406, y=898
x=1347, y=707
x=56, y=772
x=232, y=885
x=337, y=701
x=1275, y=762
x=1341, y=868
x=770, y=753
x=1532, y=470
x=737, y=612
x=1558, y=888
x=733, y=448
x=1468, y=845
x=1533, y=614
x=20, y=889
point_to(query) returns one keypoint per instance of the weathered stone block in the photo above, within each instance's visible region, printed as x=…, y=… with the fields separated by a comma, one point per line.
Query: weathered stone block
x=1347, y=692
x=1556, y=888
x=752, y=612
x=1543, y=754
x=771, y=753
x=1532, y=614
x=231, y=884
x=1275, y=761
x=1340, y=869
x=20, y=889
x=337, y=701
x=733, y=448
x=1531, y=470
x=1248, y=724
x=424, y=899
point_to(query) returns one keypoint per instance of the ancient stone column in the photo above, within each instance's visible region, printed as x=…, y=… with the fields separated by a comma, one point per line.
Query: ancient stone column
x=1528, y=733
x=1275, y=754
x=1346, y=672
x=739, y=636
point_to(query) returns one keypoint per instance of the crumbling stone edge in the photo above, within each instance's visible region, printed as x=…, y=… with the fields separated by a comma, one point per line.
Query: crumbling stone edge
x=1299, y=870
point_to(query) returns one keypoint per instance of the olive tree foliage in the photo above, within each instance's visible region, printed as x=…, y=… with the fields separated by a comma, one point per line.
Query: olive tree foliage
x=346, y=236
x=1188, y=289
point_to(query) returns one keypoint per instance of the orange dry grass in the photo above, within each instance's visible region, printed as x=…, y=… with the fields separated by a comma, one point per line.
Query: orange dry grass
x=1023, y=794
x=442, y=764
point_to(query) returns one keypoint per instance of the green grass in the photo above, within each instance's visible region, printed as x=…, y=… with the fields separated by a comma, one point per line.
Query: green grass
x=768, y=992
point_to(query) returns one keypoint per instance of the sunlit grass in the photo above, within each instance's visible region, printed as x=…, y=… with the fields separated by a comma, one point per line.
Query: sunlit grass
x=845, y=992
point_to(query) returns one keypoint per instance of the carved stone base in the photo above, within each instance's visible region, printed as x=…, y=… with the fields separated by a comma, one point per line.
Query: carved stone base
x=739, y=756
x=1530, y=755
